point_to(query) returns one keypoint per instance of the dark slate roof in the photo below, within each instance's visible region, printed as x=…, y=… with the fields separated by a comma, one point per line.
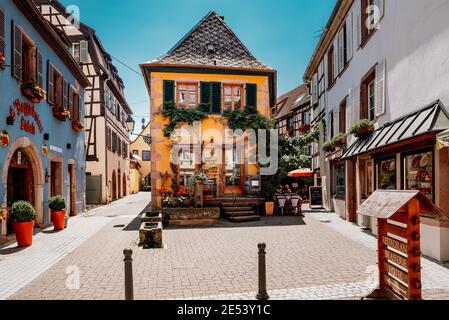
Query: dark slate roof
x=291, y=100
x=212, y=29
x=431, y=119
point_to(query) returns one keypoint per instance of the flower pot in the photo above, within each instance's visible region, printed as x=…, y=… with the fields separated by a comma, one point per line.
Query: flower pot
x=58, y=219
x=363, y=132
x=24, y=233
x=269, y=208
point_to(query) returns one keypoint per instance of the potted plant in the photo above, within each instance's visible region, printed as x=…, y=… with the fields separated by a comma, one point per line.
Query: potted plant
x=77, y=126
x=199, y=178
x=339, y=140
x=57, y=207
x=329, y=146
x=2, y=61
x=362, y=129
x=60, y=113
x=23, y=216
x=32, y=91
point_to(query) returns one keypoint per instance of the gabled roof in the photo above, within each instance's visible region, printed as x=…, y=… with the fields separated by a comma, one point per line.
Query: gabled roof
x=431, y=119
x=292, y=100
x=212, y=29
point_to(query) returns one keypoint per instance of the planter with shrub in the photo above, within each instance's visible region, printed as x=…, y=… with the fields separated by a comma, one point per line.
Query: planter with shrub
x=57, y=206
x=362, y=129
x=23, y=215
x=339, y=140
x=329, y=146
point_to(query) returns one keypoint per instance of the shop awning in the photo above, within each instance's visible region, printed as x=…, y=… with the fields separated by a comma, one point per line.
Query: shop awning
x=431, y=119
x=301, y=173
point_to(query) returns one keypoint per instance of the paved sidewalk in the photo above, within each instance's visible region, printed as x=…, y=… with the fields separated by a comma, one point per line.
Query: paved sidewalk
x=19, y=267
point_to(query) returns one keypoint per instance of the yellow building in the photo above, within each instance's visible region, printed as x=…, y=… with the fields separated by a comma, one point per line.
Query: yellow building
x=209, y=67
x=140, y=170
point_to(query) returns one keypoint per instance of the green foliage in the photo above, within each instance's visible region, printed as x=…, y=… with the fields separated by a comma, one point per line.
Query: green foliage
x=22, y=211
x=328, y=145
x=362, y=124
x=56, y=203
x=291, y=157
x=181, y=114
x=249, y=118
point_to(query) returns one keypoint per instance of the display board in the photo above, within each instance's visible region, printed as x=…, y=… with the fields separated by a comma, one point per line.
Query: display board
x=316, y=197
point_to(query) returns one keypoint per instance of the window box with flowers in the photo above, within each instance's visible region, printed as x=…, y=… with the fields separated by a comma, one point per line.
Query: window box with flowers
x=2, y=61
x=77, y=126
x=32, y=91
x=362, y=129
x=339, y=140
x=304, y=128
x=61, y=113
x=329, y=146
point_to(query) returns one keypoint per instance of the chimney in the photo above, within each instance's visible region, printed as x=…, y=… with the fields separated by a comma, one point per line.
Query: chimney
x=222, y=18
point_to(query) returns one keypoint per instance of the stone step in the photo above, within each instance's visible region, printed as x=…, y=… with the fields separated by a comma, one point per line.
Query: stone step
x=240, y=213
x=245, y=218
x=238, y=209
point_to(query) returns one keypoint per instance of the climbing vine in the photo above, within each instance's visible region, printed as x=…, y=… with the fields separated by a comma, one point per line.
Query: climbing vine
x=246, y=119
x=181, y=114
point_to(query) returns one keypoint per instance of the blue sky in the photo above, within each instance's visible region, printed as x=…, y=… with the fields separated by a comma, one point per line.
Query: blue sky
x=280, y=33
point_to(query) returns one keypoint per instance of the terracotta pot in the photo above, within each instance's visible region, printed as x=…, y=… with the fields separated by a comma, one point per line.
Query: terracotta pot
x=58, y=219
x=269, y=208
x=24, y=233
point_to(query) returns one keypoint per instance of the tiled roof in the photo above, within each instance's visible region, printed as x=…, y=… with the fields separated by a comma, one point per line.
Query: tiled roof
x=431, y=119
x=291, y=100
x=212, y=29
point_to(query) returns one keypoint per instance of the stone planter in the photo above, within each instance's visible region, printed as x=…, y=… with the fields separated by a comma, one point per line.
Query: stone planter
x=151, y=217
x=150, y=234
x=191, y=217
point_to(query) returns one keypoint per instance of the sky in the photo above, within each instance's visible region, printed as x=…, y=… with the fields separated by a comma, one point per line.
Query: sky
x=280, y=33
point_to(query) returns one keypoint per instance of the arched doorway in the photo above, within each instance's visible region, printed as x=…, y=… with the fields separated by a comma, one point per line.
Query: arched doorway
x=20, y=185
x=119, y=180
x=114, y=186
x=124, y=185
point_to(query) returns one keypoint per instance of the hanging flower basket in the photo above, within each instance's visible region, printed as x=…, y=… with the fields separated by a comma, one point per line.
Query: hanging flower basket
x=61, y=113
x=77, y=126
x=32, y=91
x=2, y=61
x=4, y=138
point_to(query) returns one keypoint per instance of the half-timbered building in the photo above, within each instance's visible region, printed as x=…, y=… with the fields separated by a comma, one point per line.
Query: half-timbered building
x=106, y=113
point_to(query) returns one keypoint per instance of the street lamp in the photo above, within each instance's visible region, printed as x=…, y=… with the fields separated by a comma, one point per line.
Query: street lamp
x=130, y=123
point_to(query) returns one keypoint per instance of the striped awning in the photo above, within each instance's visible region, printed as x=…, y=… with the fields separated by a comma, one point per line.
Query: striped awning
x=431, y=119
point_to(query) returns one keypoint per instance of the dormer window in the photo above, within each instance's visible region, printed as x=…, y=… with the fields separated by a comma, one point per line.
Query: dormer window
x=211, y=48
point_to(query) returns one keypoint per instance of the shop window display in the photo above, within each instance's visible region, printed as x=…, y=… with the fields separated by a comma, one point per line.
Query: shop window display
x=419, y=173
x=387, y=174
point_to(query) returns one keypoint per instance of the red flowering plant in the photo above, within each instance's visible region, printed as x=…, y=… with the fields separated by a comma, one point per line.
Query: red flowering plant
x=32, y=91
x=164, y=192
x=77, y=126
x=2, y=61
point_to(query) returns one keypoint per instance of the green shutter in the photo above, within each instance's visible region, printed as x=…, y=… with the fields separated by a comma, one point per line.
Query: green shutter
x=251, y=95
x=169, y=91
x=205, y=93
x=216, y=97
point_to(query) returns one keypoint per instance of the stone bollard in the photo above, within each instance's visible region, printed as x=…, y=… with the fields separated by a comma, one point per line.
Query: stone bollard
x=262, y=294
x=129, y=285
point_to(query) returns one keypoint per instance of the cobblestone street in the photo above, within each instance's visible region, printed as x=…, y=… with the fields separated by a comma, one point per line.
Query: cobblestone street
x=320, y=257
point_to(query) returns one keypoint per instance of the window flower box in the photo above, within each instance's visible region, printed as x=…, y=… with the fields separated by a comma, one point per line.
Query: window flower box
x=304, y=128
x=362, y=129
x=329, y=146
x=61, y=113
x=339, y=140
x=32, y=91
x=77, y=126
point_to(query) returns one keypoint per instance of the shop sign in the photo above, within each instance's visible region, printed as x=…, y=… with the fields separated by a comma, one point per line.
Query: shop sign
x=26, y=110
x=443, y=140
x=55, y=149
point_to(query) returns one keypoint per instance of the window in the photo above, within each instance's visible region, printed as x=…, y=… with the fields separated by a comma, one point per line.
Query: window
x=136, y=152
x=211, y=96
x=28, y=59
x=331, y=125
x=371, y=100
x=114, y=142
x=55, y=87
x=306, y=118
x=330, y=66
x=74, y=104
x=75, y=51
x=125, y=150
x=119, y=146
x=386, y=174
x=187, y=95
x=233, y=97
x=321, y=86
x=146, y=155
x=340, y=180
x=342, y=117
x=368, y=93
x=290, y=124
x=418, y=173
x=108, y=138
x=366, y=31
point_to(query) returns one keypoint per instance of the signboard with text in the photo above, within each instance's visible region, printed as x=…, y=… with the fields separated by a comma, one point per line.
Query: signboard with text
x=316, y=197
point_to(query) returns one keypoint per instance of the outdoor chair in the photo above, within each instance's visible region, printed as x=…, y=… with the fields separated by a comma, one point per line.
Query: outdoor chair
x=296, y=205
x=282, y=204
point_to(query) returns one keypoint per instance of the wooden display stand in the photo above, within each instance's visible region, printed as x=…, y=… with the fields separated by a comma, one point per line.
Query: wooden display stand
x=399, y=245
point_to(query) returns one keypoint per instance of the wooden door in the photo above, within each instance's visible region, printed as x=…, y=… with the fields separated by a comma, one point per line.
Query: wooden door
x=233, y=172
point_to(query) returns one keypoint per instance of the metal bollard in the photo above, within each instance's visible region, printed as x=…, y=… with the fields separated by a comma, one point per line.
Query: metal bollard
x=129, y=285
x=263, y=294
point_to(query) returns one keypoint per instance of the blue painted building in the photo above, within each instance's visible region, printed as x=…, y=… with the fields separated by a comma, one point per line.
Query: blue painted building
x=42, y=140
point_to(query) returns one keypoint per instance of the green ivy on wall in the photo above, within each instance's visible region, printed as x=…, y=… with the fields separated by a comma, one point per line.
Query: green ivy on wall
x=249, y=118
x=181, y=114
